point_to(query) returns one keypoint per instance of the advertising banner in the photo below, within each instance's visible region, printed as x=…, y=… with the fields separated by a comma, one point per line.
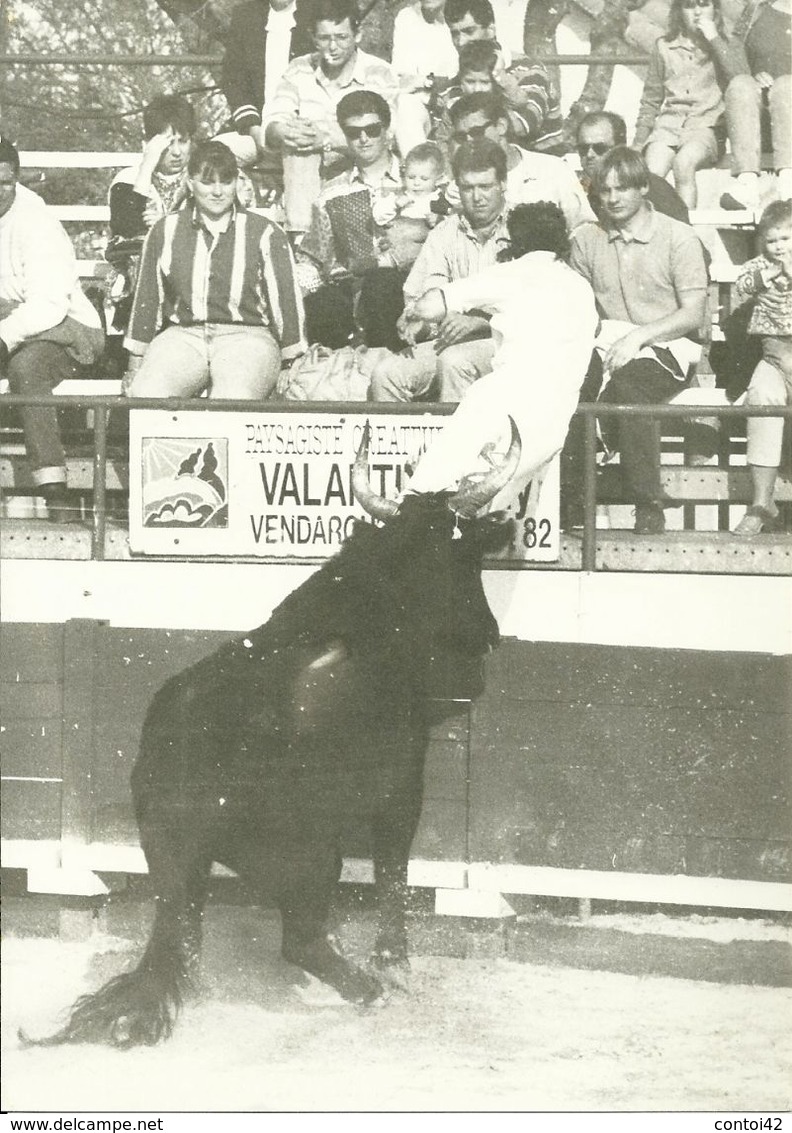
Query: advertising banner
x=278, y=485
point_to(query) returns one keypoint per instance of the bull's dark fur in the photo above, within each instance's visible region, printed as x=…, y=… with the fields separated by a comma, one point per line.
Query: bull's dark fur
x=259, y=755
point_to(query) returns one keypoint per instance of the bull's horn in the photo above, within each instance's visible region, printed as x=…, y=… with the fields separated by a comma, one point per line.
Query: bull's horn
x=477, y=490
x=377, y=506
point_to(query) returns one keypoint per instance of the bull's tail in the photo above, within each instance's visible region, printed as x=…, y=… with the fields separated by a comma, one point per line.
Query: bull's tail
x=136, y=1008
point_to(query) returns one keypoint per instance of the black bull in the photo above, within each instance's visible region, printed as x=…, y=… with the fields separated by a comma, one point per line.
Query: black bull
x=258, y=756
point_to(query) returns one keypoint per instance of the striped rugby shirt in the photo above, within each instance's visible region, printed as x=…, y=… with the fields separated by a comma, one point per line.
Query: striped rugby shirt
x=243, y=276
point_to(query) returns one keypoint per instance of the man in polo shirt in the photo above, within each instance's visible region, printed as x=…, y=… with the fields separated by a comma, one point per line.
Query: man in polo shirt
x=338, y=259
x=649, y=277
x=531, y=177
x=216, y=306
x=301, y=123
x=460, y=246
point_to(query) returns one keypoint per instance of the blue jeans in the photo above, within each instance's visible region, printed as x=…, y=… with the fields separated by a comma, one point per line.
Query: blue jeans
x=227, y=360
x=743, y=100
x=36, y=368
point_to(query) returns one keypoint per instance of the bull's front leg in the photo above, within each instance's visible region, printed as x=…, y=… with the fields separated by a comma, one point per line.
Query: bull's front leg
x=308, y=878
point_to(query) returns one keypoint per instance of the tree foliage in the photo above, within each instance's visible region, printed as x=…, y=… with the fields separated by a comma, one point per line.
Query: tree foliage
x=84, y=107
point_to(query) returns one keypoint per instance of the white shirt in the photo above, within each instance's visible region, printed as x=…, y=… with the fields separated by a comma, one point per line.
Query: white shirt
x=278, y=45
x=38, y=271
x=422, y=48
x=542, y=177
x=544, y=329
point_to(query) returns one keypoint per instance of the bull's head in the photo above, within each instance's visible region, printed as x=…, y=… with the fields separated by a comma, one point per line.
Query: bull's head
x=473, y=493
x=431, y=551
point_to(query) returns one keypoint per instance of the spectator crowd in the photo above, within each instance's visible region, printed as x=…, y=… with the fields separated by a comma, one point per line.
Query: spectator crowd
x=424, y=208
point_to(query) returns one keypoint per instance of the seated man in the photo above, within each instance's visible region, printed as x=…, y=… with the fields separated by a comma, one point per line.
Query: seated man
x=263, y=38
x=649, y=277
x=344, y=254
x=461, y=245
x=300, y=122
x=527, y=87
x=530, y=176
x=48, y=328
x=220, y=281
x=597, y=134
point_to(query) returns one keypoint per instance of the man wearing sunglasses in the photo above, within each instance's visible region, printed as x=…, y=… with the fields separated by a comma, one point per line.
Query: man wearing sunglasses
x=530, y=176
x=597, y=134
x=301, y=122
x=346, y=289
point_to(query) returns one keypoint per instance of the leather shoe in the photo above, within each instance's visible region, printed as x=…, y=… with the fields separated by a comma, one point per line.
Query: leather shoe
x=649, y=519
x=60, y=509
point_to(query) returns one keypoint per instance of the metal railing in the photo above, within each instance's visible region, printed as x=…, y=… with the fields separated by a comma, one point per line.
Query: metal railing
x=116, y=60
x=101, y=406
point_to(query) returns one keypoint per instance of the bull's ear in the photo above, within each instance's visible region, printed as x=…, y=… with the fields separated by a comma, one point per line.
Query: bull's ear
x=479, y=488
x=377, y=506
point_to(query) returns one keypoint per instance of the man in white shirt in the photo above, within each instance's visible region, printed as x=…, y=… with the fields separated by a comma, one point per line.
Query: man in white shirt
x=543, y=326
x=48, y=328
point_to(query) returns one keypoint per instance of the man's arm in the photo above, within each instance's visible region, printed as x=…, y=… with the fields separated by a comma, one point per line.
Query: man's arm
x=282, y=125
x=688, y=317
x=50, y=277
x=527, y=91
x=433, y=264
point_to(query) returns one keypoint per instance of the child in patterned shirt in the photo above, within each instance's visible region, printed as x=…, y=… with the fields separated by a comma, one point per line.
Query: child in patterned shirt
x=409, y=215
x=767, y=281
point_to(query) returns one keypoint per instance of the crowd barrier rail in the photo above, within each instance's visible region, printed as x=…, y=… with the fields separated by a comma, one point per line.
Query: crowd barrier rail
x=100, y=408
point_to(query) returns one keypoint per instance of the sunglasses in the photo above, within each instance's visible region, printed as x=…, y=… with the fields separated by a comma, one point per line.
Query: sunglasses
x=372, y=130
x=474, y=133
x=598, y=148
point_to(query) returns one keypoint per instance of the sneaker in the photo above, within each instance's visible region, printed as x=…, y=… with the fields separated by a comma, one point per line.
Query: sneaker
x=740, y=198
x=649, y=519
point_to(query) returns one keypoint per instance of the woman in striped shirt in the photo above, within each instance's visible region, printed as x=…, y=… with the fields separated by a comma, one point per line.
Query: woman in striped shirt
x=217, y=307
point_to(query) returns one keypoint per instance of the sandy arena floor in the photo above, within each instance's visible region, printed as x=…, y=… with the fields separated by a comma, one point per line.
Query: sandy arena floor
x=474, y=1034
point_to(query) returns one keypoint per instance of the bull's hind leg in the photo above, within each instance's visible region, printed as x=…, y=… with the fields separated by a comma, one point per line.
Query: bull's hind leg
x=393, y=830
x=140, y=1007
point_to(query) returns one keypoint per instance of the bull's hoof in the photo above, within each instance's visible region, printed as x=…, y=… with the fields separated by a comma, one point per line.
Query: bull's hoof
x=320, y=959
x=393, y=970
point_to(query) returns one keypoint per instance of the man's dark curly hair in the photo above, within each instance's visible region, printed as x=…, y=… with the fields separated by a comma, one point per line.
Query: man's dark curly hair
x=537, y=227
